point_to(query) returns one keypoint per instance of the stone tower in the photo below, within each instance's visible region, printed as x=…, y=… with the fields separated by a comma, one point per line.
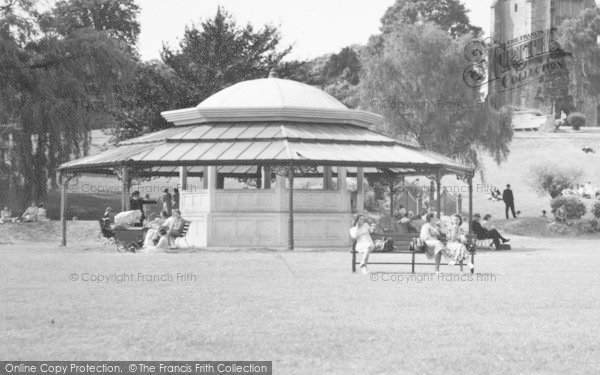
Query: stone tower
x=523, y=29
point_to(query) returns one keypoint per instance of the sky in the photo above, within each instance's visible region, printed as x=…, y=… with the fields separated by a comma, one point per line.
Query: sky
x=312, y=27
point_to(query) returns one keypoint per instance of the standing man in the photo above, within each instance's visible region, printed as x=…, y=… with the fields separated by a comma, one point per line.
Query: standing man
x=509, y=201
x=167, y=201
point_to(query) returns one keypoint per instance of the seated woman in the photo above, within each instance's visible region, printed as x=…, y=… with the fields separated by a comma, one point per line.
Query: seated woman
x=430, y=235
x=41, y=213
x=361, y=232
x=30, y=213
x=163, y=243
x=456, y=250
x=175, y=223
x=496, y=194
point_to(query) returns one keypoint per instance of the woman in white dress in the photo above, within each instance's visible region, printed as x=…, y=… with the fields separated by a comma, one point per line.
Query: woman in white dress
x=456, y=251
x=430, y=235
x=361, y=232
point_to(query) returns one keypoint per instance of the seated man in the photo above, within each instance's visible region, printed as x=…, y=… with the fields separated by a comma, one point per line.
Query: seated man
x=175, y=224
x=483, y=234
x=30, y=213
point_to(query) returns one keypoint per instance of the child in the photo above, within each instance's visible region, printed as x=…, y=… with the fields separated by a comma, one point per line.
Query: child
x=162, y=245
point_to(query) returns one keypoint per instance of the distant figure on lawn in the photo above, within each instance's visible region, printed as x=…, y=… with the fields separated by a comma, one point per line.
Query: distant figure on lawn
x=41, y=213
x=136, y=203
x=166, y=199
x=30, y=213
x=162, y=245
x=560, y=214
x=495, y=194
x=107, y=218
x=483, y=234
x=509, y=201
x=361, y=232
x=6, y=215
x=175, y=197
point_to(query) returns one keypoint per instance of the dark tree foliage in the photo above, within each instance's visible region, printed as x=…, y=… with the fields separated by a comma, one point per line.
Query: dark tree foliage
x=218, y=53
x=413, y=77
x=450, y=15
x=47, y=73
x=345, y=64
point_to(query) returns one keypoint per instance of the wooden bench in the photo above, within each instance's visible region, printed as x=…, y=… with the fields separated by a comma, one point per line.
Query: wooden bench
x=186, y=227
x=404, y=243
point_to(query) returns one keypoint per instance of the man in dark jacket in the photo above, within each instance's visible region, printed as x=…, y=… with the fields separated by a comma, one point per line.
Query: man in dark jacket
x=509, y=201
x=483, y=233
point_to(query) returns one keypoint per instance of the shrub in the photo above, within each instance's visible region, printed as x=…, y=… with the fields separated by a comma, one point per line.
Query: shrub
x=576, y=120
x=596, y=209
x=573, y=205
x=551, y=178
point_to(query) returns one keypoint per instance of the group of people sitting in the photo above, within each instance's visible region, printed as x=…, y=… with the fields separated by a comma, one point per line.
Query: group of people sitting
x=448, y=241
x=584, y=191
x=160, y=232
x=35, y=212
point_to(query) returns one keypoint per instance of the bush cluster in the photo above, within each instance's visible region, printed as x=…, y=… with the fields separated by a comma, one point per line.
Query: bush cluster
x=576, y=120
x=596, y=209
x=573, y=205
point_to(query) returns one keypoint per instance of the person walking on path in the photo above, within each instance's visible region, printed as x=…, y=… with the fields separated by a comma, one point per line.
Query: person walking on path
x=509, y=201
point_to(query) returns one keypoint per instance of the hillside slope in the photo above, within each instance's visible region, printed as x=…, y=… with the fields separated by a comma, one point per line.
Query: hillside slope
x=529, y=149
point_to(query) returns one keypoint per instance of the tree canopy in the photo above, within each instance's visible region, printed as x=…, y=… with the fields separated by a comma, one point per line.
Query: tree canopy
x=413, y=77
x=48, y=72
x=218, y=53
x=449, y=15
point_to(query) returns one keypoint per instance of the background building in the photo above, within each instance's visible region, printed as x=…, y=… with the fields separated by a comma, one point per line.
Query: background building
x=522, y=28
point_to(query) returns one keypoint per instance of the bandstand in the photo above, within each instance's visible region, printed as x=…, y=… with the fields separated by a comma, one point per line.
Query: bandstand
x=269, y=131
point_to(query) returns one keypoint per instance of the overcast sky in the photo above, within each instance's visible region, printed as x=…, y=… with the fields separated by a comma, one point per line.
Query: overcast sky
x=313, y=27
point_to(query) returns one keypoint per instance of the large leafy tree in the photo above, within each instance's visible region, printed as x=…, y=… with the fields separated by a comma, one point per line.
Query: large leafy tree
x=47, y=71
x=579, y=36
x=450, y=15
x=219, y=53
x=155, y=88
x=413, y=77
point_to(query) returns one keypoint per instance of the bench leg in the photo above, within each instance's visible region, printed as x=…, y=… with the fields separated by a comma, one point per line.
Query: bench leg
x=413, y=262
x=461, y=265
x=353, y=261
x=473, y=262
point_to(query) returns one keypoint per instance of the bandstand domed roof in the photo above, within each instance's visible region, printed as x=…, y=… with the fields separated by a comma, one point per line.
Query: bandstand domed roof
x=272, y=93
x=271, y=99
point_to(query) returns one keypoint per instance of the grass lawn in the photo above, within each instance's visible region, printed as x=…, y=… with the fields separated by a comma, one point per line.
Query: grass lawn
x=303, y=310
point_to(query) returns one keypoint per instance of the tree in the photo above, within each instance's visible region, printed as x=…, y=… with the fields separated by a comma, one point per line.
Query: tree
x=45, y=77
x=345, y=64
x=551, y=178
x=450, y=15
x=117, y=18
x=413, y=77
x=219, y=53
x=579, y=37
x=156, y=87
